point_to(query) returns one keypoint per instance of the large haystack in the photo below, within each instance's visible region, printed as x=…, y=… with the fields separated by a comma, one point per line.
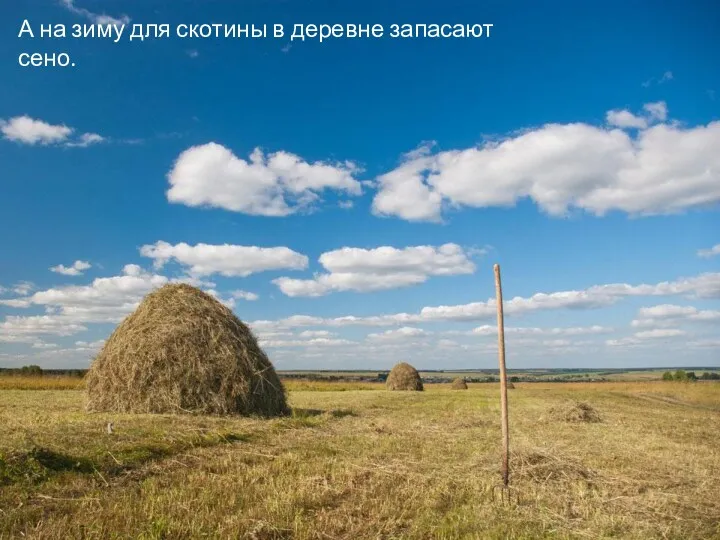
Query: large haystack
x=404, y=377
x=182, y=351
x=459, y=384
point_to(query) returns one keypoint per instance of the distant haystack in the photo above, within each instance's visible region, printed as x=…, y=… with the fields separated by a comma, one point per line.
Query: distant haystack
x=574, y=412
x=459, y=384
x=404, y=377
x=182, y=351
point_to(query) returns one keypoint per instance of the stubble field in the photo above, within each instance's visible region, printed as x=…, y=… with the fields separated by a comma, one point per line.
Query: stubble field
x=356, y=461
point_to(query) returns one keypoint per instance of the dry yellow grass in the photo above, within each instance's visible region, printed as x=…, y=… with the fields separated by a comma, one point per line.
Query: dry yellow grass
x=368, y=464
x=18, y=382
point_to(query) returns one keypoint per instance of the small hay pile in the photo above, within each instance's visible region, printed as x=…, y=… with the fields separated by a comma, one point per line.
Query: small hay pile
x=459, y=384
x=510, y=386
x=574, y=411
x=182, y=351
x=404, y=377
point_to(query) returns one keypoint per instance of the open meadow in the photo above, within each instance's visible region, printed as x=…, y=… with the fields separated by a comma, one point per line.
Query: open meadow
x=357, y=461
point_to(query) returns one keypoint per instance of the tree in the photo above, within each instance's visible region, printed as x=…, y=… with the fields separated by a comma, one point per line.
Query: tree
x=667, y=376
x=680, y=375
x=31, y=371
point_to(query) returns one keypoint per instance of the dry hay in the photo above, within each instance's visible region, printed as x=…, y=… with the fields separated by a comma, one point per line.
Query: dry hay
x=459, y=384
x=542, y=466
x=510, y=386
x=182, y=351
x=404, y=377
x=574, y=411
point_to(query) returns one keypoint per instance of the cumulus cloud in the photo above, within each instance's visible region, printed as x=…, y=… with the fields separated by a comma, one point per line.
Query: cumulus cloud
x=598, y=296
x=30, y=131
x=15, y=329
x=625, y=119
x=226, y=259
x=27, y=130
x=105, y=300
x=490, y=330
x=670, y=315
x=75, y=269
x=244, y=295
x=664, y=168
x=278, y=184
x=710, y=252
x=386, y=267
x=406, y=332
x=316, y=334
x=660, y=333
x=44, y=345
x=97, y=18
x=315, y=342
x=87, y=139
x=23, y=288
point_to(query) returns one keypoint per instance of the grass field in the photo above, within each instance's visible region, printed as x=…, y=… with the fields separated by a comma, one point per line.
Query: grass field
x=355, y=461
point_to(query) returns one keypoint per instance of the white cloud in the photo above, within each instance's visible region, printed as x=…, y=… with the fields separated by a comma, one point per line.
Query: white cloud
x=625, y=119
x=670, y=315
x=660, y=333
x=105, y=300
x=656, y=111
x=278, y=184
x=315, y=342
x=27, y=130
x=23, y=287
x=665, y=77
x=87, y=139
x=92, y=346
x=97, y=18
x=598, y=296
x=16, y=329
x=705, y=344
x=711, y=252
x=490, y=330
x=44, y=345
x=316, y=334
x=75, y=269
x=386, y=267
x=406, y=332
x=244, y=295
x=226, y=259
x=30, y=131
x=664, y=169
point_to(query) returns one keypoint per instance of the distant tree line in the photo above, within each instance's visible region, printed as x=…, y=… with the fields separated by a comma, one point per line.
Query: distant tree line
x=680, y=375
x=36, y=371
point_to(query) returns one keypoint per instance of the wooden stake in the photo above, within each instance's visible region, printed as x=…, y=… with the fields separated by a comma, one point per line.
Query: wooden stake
x=503, y=379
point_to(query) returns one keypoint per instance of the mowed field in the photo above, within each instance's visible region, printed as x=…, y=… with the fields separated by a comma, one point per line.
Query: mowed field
x=356, y=461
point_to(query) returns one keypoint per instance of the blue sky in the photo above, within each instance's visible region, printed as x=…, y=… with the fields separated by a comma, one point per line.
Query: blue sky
x=368, y=185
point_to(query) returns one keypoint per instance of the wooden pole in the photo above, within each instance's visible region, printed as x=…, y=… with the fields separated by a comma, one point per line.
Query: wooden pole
x=503, y=379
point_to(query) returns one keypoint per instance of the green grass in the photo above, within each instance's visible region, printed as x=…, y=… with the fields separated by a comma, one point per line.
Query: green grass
x=368, y=464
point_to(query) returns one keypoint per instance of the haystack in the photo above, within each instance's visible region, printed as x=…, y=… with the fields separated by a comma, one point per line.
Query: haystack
x=459, y=384
x=404, y=377
x=572, y=411
x=510, y=386
x=182, y=351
